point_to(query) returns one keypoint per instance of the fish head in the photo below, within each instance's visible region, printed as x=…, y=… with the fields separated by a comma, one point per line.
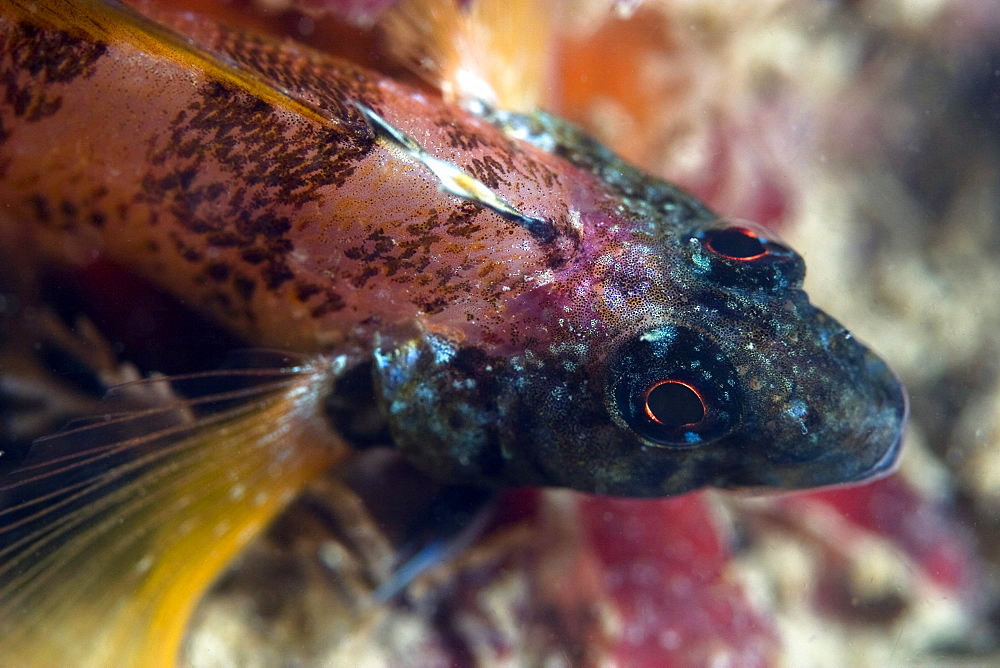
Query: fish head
x=681, y=362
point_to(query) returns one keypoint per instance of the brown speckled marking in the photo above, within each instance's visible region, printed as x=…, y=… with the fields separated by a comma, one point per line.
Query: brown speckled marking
x=37, y=63
x=35, y=66
x=488, y=170
x=276, y=169
x=302, y=72
x=244, y=286
x=64, y=215
x=262, y=216
x=332, y=302
x=405, y=257
x=463, y=141
x=400, y=254
x=500, y=159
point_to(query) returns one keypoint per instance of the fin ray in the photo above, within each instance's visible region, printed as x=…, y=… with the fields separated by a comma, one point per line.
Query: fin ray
x=111, y=564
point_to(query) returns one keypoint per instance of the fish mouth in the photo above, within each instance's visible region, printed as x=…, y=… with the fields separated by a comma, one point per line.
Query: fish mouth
x=884, y=425
x=888, y=463
x=881, y=409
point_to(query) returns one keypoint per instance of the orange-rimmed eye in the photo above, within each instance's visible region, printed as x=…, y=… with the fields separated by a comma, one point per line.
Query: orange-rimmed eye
x=736, y=243
x=746, y=256
x=674, y=404
x=672, y=389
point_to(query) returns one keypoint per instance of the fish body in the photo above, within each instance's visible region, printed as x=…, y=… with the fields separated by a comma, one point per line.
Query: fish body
x=298, y=232
x=531, y=310
x=258, y=189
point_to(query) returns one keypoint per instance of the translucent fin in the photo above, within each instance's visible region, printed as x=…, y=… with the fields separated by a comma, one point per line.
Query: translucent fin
x=489, y=51
x=454, y=519
x=111, y=532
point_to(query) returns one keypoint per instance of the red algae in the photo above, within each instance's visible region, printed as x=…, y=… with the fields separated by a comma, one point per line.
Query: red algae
x=667, y=571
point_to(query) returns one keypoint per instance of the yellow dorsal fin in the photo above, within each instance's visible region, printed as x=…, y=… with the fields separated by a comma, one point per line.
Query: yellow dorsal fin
x=489, y=51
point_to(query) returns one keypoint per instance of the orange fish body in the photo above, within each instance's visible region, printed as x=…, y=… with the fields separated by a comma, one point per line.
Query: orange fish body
x=282, y=217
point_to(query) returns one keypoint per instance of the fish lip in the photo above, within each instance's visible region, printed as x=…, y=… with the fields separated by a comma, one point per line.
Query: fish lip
x=888, y=463
x=883, y=468
x=891, y=397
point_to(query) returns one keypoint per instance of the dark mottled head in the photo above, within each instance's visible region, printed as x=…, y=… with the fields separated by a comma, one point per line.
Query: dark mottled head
x=686, y=361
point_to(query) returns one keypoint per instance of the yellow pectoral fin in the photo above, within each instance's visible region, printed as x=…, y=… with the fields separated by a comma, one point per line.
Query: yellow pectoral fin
x=107, y=544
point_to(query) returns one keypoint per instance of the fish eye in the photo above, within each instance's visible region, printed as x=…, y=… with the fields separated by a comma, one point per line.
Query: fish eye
x=736, y=243
x=747, y=256
x=671, y=387
x=674, y=404
x=671, y=413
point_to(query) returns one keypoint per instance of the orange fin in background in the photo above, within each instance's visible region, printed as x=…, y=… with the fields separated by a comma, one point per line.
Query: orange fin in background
x=111, y=532
x=492, y=52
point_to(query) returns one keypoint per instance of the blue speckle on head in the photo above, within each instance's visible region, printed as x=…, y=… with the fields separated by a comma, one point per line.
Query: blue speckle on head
x=692, y=438
x=443, y=350
x=797, y=408
x=394, y=366
x=660, y=335
x=702, y=262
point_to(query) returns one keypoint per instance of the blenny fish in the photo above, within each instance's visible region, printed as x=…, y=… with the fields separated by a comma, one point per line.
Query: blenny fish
x=527, y=309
